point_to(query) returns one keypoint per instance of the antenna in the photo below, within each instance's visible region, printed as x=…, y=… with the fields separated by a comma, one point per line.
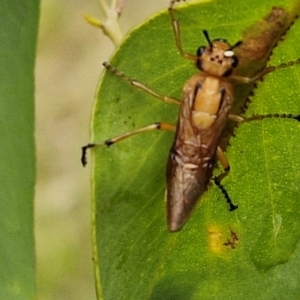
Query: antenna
x=235, y=45
x=205, y=33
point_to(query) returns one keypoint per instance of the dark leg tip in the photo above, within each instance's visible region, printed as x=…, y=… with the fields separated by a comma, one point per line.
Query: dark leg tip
x=297, y=118
x=83, y=156
x=108, y=143
x=233, y=207
x=83, y=153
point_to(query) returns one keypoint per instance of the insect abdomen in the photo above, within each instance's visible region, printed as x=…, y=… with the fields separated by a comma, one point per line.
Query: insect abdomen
x=202, y=117
x=187, y=182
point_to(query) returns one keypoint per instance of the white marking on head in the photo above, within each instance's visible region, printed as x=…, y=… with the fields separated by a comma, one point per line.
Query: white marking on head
x=228, y=53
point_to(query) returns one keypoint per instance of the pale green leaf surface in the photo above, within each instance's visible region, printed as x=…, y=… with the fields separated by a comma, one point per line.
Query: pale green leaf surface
x=134, y=253
x=18, y=33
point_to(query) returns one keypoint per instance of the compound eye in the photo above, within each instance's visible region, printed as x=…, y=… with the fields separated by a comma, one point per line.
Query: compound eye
x=200, y=51
x=234, y=61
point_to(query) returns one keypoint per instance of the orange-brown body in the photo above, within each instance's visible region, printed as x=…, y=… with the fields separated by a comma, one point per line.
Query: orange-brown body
x=207, y=99
x=192, y=156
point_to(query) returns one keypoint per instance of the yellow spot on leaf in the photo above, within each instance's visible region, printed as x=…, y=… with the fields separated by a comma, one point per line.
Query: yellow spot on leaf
x=215, y=239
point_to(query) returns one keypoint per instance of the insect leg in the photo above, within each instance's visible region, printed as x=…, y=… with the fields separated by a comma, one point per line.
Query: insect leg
x=176, y=30
x=217, y=179
x=141, y=86
x=241, y=119
x=109, y=142
x=223, y=160
x=265, y=71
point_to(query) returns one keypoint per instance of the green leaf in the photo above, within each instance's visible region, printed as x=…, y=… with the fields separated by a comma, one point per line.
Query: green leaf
x=18, y=32
x=135, y=256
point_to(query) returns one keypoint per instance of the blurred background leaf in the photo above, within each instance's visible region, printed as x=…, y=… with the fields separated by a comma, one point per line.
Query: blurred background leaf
x=18, y=31
x=69, y=61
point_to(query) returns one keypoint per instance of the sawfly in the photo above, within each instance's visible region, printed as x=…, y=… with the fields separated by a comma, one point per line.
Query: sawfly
x=205, y=107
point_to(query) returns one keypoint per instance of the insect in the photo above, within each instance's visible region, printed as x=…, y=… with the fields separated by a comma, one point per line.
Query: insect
x=206, y=104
